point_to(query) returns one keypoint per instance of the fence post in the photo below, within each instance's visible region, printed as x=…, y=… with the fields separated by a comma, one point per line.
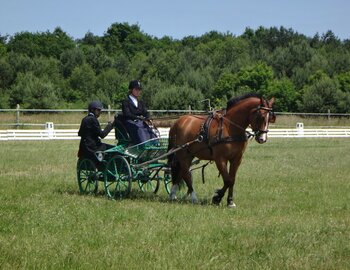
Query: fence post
x=300, y=129
x=17, y=116
x=49, y=129
x=109, y=112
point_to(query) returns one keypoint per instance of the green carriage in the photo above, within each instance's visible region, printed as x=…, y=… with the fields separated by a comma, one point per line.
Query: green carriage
x=125, y=164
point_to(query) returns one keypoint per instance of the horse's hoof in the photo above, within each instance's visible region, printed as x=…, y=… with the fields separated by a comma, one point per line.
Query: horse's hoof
x=194, y=198
x=231, y=204
x=173, y=197
x=216, y=200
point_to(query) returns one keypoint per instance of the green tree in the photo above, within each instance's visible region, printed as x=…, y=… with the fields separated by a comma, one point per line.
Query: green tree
x=178, y=98
x=96, y=58
x=41, y=44
x=284, y=92
x=32, y=92
x=90, y=40
x=224, y=89
x=3, y=49
x=109, y=88
x=344, y=81
x=321, y=95
x=7, y=74
x=71, y=59
x=47, y=67
x=122, y=37
x=82, y=81
x=255, y=78
x=20, y=63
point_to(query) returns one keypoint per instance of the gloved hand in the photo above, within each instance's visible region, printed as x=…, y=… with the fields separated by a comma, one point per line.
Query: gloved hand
x=141, y=117
x=115, y=120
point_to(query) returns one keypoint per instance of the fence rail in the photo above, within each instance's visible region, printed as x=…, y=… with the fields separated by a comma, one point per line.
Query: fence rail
x=72, y=134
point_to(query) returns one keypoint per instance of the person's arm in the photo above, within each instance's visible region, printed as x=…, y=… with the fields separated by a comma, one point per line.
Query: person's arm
x=97, y=128
x=145, y=112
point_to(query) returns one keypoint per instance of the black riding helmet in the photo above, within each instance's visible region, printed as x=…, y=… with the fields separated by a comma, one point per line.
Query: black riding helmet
x=95, y=105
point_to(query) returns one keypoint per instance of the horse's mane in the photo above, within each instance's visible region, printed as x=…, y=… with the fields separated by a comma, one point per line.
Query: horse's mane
x=234, y=101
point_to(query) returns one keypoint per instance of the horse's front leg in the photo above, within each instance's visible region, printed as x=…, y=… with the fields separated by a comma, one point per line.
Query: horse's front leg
x=230, y=202
x=234, y=164
x=222, y=167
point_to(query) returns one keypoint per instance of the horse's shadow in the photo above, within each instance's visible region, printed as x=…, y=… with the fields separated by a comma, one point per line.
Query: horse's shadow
x=137, y=195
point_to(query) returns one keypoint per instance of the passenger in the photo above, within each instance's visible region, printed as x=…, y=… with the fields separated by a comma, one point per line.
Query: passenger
x=91, y=133
x=135, y=114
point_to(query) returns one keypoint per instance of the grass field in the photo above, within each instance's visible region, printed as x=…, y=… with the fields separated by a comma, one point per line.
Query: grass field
x=293, y=212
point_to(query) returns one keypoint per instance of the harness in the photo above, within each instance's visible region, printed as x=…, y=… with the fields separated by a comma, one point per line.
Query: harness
x=204, y=133
x=218, y=138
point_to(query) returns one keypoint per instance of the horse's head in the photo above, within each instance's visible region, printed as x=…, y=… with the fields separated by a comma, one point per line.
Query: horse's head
x=260, y=118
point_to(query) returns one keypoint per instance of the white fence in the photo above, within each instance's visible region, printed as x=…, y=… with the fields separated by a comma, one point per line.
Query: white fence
x=72, y=134
x=52, y=134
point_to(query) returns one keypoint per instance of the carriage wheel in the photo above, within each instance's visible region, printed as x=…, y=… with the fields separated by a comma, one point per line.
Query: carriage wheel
x=167, y=180
x=87, y=176
x=117, y=178
x=149, y=180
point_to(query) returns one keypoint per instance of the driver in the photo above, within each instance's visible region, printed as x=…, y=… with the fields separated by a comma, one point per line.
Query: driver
x=135, y=114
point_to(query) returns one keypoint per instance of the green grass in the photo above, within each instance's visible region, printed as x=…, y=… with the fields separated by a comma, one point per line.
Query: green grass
x=292, y=196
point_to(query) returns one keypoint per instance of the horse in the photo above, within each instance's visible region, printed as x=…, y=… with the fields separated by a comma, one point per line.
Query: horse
x=219, y=137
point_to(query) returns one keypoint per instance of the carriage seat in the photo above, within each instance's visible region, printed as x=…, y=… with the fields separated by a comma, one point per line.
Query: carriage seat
x=121, y=133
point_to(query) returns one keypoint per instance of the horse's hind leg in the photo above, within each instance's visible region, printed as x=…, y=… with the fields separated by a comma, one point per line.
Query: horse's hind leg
x=175, y=176
x=187, y=176
x=181, y=171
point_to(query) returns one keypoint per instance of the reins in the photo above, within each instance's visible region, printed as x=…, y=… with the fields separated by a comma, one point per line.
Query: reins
x=172, y=151
x=249, y=134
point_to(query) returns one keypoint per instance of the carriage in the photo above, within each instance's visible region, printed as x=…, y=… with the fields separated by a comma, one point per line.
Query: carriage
x=125, y=164
x=220, y=136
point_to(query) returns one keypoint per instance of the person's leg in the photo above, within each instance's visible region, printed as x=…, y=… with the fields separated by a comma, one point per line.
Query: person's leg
x=143, y=134
x=133, y=127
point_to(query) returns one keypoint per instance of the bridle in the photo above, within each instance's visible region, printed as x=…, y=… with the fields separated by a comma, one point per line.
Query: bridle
x=255, y=133
x=271, y=114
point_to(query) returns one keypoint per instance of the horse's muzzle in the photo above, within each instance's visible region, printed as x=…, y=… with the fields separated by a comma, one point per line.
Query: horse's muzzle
x=261, y=136
x=261, y=139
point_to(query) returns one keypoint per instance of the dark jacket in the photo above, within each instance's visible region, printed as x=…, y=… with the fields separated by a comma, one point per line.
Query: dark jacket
x=90, y=132
x=130, y=111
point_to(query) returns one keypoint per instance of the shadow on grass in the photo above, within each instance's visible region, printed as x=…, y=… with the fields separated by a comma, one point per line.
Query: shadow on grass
x=137, y=195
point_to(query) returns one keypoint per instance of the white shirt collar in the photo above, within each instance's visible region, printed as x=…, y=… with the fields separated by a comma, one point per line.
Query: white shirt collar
x=134, y=100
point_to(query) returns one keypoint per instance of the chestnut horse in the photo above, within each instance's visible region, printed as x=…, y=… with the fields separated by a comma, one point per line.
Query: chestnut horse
x=221, y=137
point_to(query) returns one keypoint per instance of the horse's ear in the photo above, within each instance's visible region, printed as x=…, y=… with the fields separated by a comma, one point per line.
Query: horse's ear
x=271, y=101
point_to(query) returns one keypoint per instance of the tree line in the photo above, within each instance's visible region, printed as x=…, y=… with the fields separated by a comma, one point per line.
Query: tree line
x=52, y=70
